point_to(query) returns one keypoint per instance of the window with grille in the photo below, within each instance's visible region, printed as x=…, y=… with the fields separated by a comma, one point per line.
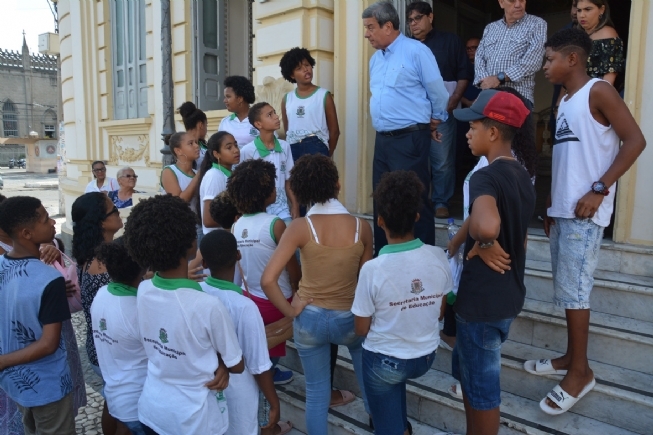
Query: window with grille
x=129, y=59
x=9, y=119
x=49, y=131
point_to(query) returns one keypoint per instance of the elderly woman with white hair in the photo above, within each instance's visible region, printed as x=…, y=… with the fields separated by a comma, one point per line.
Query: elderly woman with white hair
x=127, y=181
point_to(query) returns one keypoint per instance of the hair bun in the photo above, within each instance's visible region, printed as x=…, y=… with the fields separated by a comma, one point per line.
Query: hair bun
x=187, y=109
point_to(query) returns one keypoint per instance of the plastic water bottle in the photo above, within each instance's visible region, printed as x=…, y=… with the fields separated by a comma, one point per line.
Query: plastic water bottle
x=452, y=229
x=222, y=401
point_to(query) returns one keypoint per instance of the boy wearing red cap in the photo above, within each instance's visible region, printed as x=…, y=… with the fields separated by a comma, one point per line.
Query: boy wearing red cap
x=501, y=204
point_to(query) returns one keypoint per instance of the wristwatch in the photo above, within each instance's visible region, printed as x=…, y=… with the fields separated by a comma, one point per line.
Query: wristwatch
x=599, y=188
x=502, y=78
x=487, y=245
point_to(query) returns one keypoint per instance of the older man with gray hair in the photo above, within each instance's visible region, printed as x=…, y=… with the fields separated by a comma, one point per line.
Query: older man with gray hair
x=409, y=101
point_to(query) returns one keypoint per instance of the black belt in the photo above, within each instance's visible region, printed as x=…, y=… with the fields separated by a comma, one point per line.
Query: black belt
x=415, y=127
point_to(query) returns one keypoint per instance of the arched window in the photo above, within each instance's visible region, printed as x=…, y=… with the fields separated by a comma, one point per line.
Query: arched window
x=50, y=124
x=9, y=119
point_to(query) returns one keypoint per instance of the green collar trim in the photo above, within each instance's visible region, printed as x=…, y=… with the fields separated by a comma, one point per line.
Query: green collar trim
x=189, y=176
x=308, y=96
x=232, y=117
x=223, y=285
x=174, y=283
x=263, y=150
x=202, y=144
x=401, y=247
x=118, y=289
x=225, y=171
x=251, y=214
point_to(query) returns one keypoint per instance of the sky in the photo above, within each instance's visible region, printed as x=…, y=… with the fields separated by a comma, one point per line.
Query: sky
x=33, y=16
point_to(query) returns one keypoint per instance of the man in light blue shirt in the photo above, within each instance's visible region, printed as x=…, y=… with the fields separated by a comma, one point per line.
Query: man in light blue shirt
x=408, y=103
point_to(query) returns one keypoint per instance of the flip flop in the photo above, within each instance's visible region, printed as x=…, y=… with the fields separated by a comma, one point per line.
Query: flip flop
x=564, y=400
x=455, y=390
x=285, y=427
x=542, y=367
x=347, y=397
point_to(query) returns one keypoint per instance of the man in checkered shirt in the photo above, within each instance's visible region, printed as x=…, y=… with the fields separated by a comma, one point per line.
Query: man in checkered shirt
x=511, y=51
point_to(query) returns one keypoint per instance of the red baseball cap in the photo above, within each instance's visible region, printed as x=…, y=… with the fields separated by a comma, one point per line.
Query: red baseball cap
x=500, y=106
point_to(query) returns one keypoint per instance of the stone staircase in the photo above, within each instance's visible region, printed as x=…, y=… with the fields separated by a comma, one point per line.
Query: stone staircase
x=620, y=353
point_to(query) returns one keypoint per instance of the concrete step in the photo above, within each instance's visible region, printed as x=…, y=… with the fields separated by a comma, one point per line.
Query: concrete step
x=613, y=292
x=613, y=340
x=621, y=397
x=343, y=420
x=429, y=403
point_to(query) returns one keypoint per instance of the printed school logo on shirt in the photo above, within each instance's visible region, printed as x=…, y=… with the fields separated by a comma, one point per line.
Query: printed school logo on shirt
x=253, y=132
x=244, y=234
x=103, y=325
x=301, y=111
x=163, y=336
x=416, y=286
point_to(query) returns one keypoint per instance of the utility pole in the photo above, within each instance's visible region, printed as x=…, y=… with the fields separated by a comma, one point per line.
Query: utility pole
x=167, y=85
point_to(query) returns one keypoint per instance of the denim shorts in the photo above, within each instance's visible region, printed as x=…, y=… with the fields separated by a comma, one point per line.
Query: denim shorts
x=476, y=360
x=575, y=247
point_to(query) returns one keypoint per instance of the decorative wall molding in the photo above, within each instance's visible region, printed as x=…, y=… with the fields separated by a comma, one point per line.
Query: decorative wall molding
x=272, y=91
x=129, y=150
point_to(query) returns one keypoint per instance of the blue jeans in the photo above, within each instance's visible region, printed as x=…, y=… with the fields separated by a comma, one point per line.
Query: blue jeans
x=135, y=427
x=443, y=164
x=385, y=386
x=476, y=360
x=314, y=331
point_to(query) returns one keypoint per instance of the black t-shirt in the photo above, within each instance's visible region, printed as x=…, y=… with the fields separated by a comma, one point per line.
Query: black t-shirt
x=54, y=303
x=483, y=294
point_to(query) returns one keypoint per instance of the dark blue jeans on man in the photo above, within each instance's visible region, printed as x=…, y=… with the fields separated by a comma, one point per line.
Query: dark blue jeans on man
x=443, y=164
x=385, y=379
x=410, y=152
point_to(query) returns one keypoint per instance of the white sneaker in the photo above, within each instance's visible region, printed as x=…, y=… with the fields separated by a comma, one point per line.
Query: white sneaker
x=445, y=346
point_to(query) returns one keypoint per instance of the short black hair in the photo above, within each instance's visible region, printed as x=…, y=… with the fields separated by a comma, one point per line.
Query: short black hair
x=398, y=198
x=251, y=184
x=314, y=179
x=292, y=59
x=506, y=131
x=242, y=87
x=120, y=266
x=160, y=231
x=421, y=8
x=219, y=250
x=191, y=115
x=254, y=113
x=223, y=210
x=567, y=41
x=18, y=212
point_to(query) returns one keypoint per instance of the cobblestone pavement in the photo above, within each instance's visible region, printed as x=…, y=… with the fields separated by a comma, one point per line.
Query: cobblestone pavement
x=88, y=419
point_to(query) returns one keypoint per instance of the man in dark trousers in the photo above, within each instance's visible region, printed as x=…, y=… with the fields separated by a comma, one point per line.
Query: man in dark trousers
x=449, y=52
x=408, y=103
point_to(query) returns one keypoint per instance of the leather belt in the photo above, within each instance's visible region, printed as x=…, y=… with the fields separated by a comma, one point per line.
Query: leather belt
x=415, y=127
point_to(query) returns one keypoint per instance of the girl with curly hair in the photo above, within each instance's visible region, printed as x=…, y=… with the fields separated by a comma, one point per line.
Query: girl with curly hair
x=223, y=153
x=329, y=239
x=95, y=220
x=196, y=124
x=238, y=97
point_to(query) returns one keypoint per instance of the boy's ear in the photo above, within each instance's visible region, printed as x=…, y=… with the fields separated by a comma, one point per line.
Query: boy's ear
x=380, y=222
x=238, y=256
x=416, y=217
x=204, y=265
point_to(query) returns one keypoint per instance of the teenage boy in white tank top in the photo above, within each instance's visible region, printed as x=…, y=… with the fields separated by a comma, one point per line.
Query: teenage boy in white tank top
x=587, y=162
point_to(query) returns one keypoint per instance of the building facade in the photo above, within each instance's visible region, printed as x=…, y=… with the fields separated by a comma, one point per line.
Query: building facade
x=113, y=61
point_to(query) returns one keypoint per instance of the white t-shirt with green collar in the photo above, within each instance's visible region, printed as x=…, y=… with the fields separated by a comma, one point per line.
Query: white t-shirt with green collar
x=213, y=184
x=242, y=131
x=243, y=392
x=402, y=290
x=183, y=330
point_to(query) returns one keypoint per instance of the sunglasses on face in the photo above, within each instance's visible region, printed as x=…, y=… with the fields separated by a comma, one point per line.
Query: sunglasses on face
x=113, y=210
x=130, y=176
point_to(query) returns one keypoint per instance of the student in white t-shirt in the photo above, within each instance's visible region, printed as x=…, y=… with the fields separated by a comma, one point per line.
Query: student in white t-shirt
x=100, y=182
x=117, y=340
x=220, y=255
x=276, y=151
x=399, y=298
x=188, y=335
x=223, y=153
x=196, y=124
x=238, y=96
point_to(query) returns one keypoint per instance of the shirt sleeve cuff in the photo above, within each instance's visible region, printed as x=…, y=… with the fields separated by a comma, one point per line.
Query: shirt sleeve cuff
x=442, y=116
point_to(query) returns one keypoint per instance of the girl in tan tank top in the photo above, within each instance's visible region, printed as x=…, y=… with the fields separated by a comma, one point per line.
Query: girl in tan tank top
x=333, y=247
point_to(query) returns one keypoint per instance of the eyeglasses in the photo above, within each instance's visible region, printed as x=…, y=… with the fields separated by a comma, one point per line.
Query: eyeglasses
x=415, y=19
x=113, y=210
x=100, y=170
x=472, y=48
x=130, y=176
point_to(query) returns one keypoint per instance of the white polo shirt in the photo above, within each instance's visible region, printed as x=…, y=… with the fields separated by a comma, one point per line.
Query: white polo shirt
x=243, y=392
x=183, y=330
x=213, y=184
x=242, y=131
x=402, y=290
x=110, y=184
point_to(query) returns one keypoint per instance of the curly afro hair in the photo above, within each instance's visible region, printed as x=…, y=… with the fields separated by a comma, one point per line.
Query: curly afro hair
x=120, y=266
x=191, y=115
x=570, y=40
x=18, y=212
x=314, y=179
x=292, y=59
x=88, y=213
x=251, y=184
x=223, y=210
x=159, y=232
x=398, y=200
x=242, y=87
x=219, y=250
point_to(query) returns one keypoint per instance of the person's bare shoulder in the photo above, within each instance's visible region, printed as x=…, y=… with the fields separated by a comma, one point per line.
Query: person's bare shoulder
x=606, y=33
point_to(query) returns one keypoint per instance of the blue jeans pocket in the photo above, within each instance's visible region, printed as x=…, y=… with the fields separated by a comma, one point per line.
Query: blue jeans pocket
x=391, y=370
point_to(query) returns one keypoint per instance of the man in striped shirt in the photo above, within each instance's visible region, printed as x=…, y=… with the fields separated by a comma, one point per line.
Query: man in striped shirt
x=511, y=51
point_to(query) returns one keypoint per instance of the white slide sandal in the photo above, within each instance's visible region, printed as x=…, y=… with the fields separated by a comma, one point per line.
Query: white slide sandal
x=564, y=400
x=542, y=367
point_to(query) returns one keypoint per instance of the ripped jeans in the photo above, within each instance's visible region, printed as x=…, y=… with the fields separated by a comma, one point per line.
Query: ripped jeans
x=385, y=379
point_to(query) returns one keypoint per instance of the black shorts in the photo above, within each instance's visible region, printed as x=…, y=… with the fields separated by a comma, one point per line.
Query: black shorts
x=449, y=321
